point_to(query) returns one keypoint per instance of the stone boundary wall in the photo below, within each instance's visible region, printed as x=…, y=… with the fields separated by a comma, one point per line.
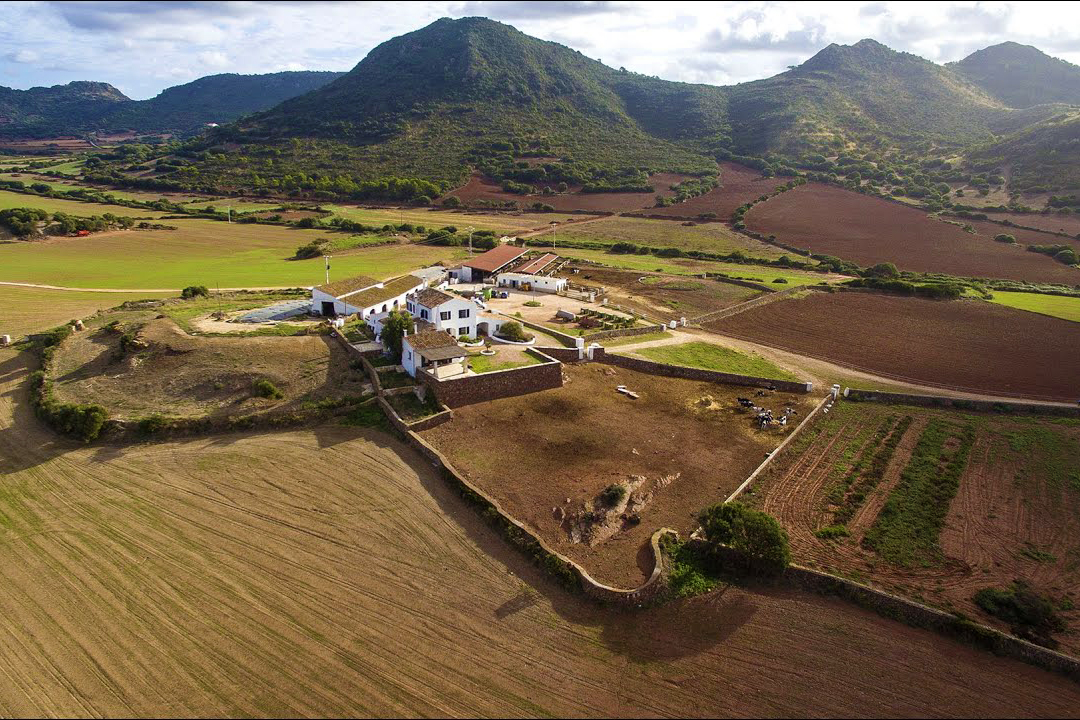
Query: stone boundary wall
x=562, y=354
x=994, y=406
x=751, y=303
x=624, y=332
x=570, y=340
x=372, y=373
x=918, y=615
x=689, y=373
x=779, y=448
x=742, y=283
x=457, y=391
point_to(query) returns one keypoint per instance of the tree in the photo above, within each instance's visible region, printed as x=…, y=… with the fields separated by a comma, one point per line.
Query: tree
x=751, y=538
x=513, y=332
x=883, y=270
x=194, y=291
x=451, y=202
x=396, y=324
x=1004, y=238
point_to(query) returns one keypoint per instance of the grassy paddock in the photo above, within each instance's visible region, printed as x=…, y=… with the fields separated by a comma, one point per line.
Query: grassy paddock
x=714, y=357
x=1059, y=306
x=10, y=199
x=201, y=252
x=29, y=310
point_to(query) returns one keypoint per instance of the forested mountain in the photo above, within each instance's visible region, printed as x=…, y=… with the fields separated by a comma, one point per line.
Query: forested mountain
x=1021, y=76
x=82, y=107
x=57, y=110
x=423, y=110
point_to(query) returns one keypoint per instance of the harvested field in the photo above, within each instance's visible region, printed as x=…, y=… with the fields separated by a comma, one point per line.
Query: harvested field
x=684, y=438
x=968, y=345
x=1015, y=514
x=479, y=188
x=738, y=186
x=26, y=309
x=174, y=374
x=330, y=572
x=666, y=297
x=868, y=230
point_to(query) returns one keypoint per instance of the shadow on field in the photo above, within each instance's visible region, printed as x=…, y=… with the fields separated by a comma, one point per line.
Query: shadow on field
x=24, y=441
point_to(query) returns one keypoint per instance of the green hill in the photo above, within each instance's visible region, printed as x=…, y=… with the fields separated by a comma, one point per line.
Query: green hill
x=1021, y=76
x=83, y=107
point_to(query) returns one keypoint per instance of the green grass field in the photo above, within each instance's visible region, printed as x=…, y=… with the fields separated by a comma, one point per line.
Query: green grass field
x=433, y=219
x=689, y=266
x=485, y=364
x=709, y=237
x=29, y=310
x=69, y=185
x=239, y=205
x=69, y=168
x=10, y=199
x=1066, y=308
x=714, y=357
x=201, y=252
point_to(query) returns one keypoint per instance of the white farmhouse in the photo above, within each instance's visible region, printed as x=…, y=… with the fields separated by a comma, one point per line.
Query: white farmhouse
x=434, y=351
x=447, y=313
x=371, y=299
x=530, y=275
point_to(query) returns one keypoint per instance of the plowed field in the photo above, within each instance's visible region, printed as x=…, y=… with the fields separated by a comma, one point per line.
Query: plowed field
x=738, y=185
x=479, y=188
x=329, y=572
x=1016, y=514
x=868, y=230
x=967, y=345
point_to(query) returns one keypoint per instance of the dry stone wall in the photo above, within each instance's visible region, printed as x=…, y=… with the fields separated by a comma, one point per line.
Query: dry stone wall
x=689, y=373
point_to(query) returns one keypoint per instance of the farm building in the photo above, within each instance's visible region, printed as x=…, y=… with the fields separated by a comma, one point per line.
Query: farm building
x=489, y=264
x=435, y=351
x=533, y=274
x=369, y=298
x=452, y=314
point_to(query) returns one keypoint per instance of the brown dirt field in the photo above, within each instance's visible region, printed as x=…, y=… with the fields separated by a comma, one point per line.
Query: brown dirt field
x=669, y=297
x=1050, y=222
x=330, y=572
x=868, y=230
x=479, y=188
x=188, y=376
x=1009, y=508
x=577, y=440
x=1023, y=237
x=738, y=185
x=967, y=345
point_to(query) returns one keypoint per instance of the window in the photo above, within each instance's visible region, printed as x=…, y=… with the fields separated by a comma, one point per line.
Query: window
x=384, y=308
x=411, y=307
x=423, y=313
x=445, y=315
x=463, y=313
x=463, y=331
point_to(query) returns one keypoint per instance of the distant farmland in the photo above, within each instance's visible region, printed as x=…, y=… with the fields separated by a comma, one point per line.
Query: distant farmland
x=868, y=230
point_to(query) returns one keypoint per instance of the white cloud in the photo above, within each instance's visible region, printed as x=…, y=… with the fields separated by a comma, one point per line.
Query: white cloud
x=141, y=47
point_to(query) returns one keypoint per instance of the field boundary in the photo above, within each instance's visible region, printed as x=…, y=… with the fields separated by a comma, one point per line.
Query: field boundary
x=779, y=448
x=996, y=406
x=921, y=616
x=689, y=373
x=771, y=297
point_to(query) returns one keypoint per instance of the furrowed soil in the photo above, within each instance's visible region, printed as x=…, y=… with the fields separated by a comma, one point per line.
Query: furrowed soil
x=575, y=441
x=738, y=185
x=1049, y=222
x=1015, y=515
x=968, y=345
x=666, y=297
x=330, y=572
x=868, y=230
x=480, y=188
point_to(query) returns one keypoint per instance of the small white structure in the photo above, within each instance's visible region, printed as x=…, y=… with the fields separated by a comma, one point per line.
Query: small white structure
x=371, y=299
x=433, y=351
x=530, y=275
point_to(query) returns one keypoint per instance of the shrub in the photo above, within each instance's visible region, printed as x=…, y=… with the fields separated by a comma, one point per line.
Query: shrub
x=266, y=389
x=883, y=270
x=758, y=542
x=194, y=291
x=152, y=425
x=1004, y=238
x=781, y=281
x=613, y=494
x=514, y=332
x=1029, y=614
x=533, y=303
x=832, y=532
x=451, y=202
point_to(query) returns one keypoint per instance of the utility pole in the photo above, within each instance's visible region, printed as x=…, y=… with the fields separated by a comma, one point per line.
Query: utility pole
x=554, y=224
x=327, y=259
x=470, y=241
x=229, y=207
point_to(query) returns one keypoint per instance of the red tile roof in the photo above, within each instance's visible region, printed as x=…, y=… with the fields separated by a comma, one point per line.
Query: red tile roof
x=495, y=258
x=538, y=264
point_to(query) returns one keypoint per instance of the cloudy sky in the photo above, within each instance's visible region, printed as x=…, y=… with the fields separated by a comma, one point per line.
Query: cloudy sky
x=144, y=47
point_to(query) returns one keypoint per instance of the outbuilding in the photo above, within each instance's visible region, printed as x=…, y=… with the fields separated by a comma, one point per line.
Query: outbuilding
x=489, y=264
x=434, y=351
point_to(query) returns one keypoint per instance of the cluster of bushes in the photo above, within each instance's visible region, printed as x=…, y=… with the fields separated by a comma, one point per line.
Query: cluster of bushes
x=514, y=332
x=449, y=236
x=1062, y=253
x=265, y=389
x=688, y=189
x=81, y=421
x=23, y=222
x=1028, y=614
x=933, y=291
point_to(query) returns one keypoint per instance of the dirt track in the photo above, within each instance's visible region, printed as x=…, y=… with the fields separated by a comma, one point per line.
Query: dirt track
x=868, y=230
x=965, y=345
x=328, y=572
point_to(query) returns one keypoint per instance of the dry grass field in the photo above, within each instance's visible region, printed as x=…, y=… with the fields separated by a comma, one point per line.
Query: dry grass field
x=27, y=309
